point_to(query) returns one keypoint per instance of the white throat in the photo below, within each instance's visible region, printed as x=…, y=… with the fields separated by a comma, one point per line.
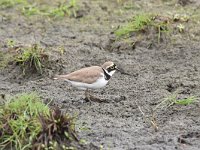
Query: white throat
x=110, y=73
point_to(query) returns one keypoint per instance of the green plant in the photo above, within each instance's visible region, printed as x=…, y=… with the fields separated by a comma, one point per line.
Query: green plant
x=61, y=11
x=18, y=125
x=172, y=100
x=30, y=10
x=64, y=9
x=186, y=101
x=147, y=23
x=27, y=123
x=164, y=104
x=139, y=23
x=73, y=6
x=11, y=3
x=31, y=57
x=11, y=43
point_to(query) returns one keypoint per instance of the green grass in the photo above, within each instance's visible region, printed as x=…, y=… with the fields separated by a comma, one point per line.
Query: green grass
x=27, y=123
x=155, y=27
x=64, y=9
x=11, y=43
x=142, y=24
x=28, y=57
x=187, y=101
x=139, y=23
x=54, y=10
x=31, y=57
x=30, y=102
x=11, y=3
x=30, y=10
x=19, y=114
x=165, y=104
x=173, y=100
x=60, y=11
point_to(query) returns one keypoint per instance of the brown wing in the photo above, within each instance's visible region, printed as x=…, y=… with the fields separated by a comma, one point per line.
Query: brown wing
x=86, y=75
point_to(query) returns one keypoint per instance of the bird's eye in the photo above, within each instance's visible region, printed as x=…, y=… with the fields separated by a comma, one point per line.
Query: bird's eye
x=112, y=67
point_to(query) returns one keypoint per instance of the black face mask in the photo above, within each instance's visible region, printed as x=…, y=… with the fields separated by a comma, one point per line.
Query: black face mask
x=107, y=76
x=111, y=68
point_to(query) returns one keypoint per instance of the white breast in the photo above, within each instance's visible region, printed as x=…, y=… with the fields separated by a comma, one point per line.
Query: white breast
x=100, y=83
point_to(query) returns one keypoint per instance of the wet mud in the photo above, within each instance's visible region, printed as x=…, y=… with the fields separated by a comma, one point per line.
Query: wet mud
x=153, y=74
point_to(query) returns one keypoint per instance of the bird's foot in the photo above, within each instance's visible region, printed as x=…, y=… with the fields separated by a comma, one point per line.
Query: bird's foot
x=91, y=98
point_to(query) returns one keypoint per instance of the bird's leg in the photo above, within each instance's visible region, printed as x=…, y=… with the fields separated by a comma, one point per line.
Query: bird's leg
x=87, y=95
x=94, y=98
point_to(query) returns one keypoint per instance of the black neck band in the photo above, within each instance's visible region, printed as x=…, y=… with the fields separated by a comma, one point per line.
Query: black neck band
x=106, y=75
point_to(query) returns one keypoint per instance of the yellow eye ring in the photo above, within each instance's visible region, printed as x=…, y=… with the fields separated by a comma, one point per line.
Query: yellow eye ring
x=112, y=67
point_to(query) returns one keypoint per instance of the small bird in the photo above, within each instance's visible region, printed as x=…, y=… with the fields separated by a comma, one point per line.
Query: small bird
x=93, y=77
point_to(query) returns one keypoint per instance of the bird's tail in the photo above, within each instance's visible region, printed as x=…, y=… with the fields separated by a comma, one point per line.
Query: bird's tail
x=56, y=77
x=59, y=77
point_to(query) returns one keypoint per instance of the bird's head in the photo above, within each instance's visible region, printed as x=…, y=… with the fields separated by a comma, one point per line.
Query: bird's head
x=109, y=67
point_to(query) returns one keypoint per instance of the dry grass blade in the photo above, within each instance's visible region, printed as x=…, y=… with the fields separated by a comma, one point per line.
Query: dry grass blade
x=151, y=120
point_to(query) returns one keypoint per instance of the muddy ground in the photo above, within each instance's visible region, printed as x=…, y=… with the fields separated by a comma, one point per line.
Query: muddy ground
x=154, y=73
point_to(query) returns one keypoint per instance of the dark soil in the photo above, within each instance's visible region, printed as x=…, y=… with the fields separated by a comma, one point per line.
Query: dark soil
x=172, y=66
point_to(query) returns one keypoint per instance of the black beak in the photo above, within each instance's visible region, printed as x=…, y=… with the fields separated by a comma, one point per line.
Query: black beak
x=117, y=69
x=122, y=71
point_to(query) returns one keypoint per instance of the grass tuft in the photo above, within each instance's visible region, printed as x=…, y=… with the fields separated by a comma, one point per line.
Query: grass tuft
x=18, y=120
x=165, y=104
x=186, y=101
x=30, y=8
x=27, y=123
x=11, y=3
x=173, y=100
x=60, y=11
x=151, y=25
x=139, y=23
x=64, y=9
x=31, y=58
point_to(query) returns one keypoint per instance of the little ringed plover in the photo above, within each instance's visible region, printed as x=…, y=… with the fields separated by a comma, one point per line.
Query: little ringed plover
x=93, y=77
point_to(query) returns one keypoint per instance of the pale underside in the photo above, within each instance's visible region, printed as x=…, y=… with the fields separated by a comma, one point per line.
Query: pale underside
x=99, y=83
x=86, y=78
